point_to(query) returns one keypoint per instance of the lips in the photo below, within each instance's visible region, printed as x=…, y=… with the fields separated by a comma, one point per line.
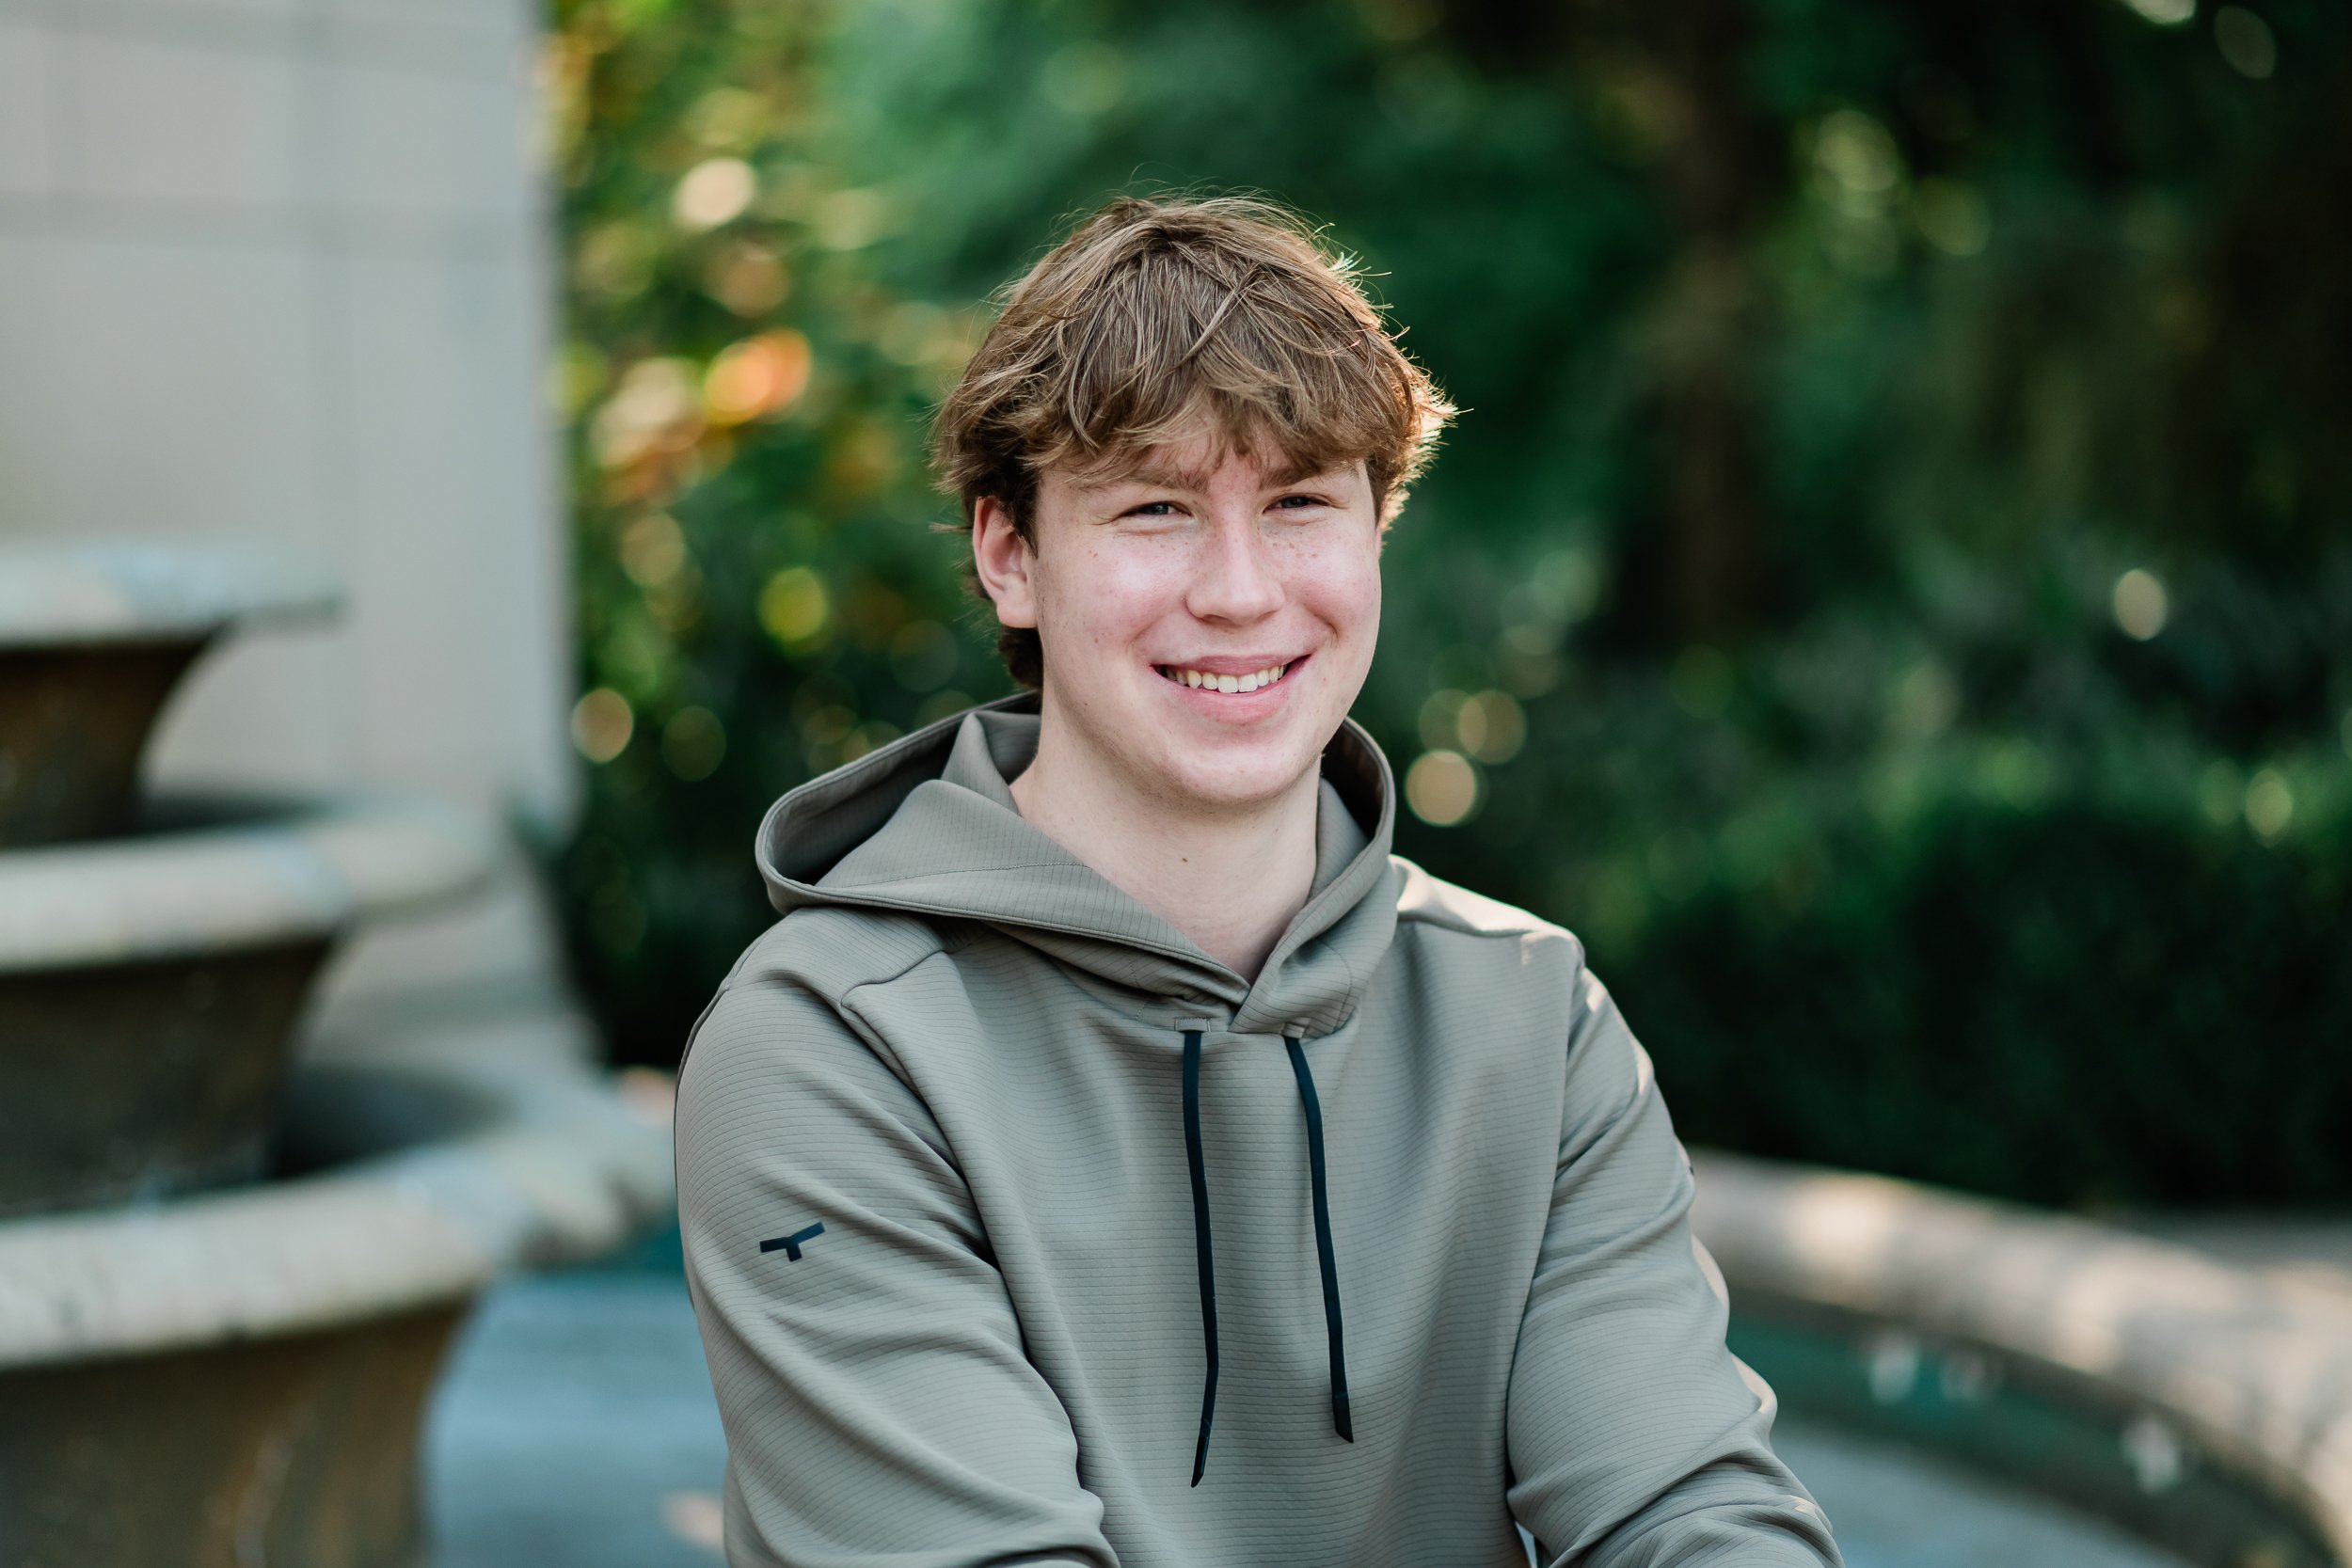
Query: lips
x=1227, y=683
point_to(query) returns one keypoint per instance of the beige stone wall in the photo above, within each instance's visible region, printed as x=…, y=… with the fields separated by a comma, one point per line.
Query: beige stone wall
x=277, y=269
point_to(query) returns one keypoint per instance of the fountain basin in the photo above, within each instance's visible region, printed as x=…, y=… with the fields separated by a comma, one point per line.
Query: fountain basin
x=2203, y=1407
x=239, y=1377
x=149, y=986
x=93, y=641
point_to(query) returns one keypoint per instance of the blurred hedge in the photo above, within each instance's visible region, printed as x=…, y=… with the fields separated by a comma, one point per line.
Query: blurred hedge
x=2077, y=1005
x=1889, y=592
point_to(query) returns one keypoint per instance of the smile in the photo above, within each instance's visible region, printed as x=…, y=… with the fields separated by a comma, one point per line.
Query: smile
x=1207, y=681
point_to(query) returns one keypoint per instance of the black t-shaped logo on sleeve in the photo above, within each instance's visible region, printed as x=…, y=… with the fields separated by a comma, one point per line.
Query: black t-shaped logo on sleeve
x=791, y=1244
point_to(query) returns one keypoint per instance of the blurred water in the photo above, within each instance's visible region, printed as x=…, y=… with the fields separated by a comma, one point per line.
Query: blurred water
x=1894, y=1507
x=577, y=1429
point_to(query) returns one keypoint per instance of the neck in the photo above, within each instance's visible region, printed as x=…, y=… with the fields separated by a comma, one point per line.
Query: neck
x=1231, y=878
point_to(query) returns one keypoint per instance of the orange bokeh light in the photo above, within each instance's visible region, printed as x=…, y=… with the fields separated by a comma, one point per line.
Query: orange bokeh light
x=757, y=378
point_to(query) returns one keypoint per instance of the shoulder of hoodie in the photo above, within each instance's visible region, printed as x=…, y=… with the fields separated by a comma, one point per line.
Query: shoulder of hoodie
x=1436, y=907
x=1525, y=950
x=831, y=950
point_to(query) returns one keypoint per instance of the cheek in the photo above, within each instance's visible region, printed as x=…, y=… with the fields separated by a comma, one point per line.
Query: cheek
x=1342, y=589
x=1107, y=594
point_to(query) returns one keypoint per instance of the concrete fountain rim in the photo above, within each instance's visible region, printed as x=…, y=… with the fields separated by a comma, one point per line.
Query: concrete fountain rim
x=70, y=593
x=2253, y=1369
x=563, y=1169
x=278, y=872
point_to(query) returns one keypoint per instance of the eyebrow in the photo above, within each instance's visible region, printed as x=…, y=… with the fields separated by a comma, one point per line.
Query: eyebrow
x=1152, y=476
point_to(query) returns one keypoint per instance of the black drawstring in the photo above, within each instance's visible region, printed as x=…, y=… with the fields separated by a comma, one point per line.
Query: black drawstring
x=1205, y=1264
x=1323, y=1236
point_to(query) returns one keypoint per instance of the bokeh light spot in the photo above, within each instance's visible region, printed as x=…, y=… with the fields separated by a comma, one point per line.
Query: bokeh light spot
x=715, y=191
x=652, y=549
x=851, y=220
x=2165, y=13
x=2246, y=42
x=793, y=607
x=654, y=408
x=2269, y=805
x=1856, y=153
x=1442, y=788
x=601, y=725
x=2140, y=605
x=1925, y=702
x=748, y=278
x=757, y=378
x=1493, y=728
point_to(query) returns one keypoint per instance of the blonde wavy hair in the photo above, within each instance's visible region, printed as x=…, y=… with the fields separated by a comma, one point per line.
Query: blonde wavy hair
x=1158, y=322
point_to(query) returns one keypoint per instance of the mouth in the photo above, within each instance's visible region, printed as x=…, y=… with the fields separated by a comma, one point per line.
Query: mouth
x=1216, y=682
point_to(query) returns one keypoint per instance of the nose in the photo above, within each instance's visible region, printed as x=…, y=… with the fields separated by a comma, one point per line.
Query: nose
x=1236, y=578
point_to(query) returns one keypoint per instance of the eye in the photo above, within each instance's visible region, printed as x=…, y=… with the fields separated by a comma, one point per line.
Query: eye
x=1151, y=509
x=1299, y=503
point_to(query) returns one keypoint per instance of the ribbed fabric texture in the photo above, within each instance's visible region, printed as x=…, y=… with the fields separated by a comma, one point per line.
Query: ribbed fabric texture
x=964, y=1056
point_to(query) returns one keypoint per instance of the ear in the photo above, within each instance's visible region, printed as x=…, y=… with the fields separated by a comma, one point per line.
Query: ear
x=1004, y=562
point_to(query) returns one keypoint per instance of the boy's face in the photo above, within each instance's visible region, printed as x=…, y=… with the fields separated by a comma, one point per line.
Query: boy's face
x=1195, y=566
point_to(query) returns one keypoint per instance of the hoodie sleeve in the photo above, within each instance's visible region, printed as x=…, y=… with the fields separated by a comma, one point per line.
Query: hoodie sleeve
x=868, y=1367
x=1635, y=1437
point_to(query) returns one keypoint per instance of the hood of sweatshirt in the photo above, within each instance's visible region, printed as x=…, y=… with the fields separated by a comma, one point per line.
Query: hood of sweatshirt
x=927, y=825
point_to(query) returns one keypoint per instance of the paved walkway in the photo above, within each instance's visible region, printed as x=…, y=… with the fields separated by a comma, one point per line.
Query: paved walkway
x=576, y=1429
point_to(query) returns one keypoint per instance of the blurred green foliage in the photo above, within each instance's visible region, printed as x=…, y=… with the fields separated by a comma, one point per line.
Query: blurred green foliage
x=1889, y=592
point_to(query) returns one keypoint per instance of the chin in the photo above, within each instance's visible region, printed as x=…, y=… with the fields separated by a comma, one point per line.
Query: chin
x=1250, y=779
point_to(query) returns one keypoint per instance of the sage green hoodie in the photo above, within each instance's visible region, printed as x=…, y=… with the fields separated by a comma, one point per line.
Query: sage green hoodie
x=1023, y=1231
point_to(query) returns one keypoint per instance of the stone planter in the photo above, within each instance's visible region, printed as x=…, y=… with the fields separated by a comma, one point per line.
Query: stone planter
x=238, y=1378
x=93, y=639
x=149, y=986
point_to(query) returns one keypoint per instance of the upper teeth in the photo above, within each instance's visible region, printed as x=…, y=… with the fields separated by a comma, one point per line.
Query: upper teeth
x=1250, y=682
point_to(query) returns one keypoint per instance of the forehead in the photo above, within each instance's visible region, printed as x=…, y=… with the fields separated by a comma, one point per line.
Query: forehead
x=1197, y=465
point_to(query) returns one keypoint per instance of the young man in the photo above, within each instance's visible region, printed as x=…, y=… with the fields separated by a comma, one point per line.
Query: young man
x=1116, y=1156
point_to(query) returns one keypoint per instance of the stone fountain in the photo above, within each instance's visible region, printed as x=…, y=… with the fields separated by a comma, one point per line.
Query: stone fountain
x=226, y=1278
